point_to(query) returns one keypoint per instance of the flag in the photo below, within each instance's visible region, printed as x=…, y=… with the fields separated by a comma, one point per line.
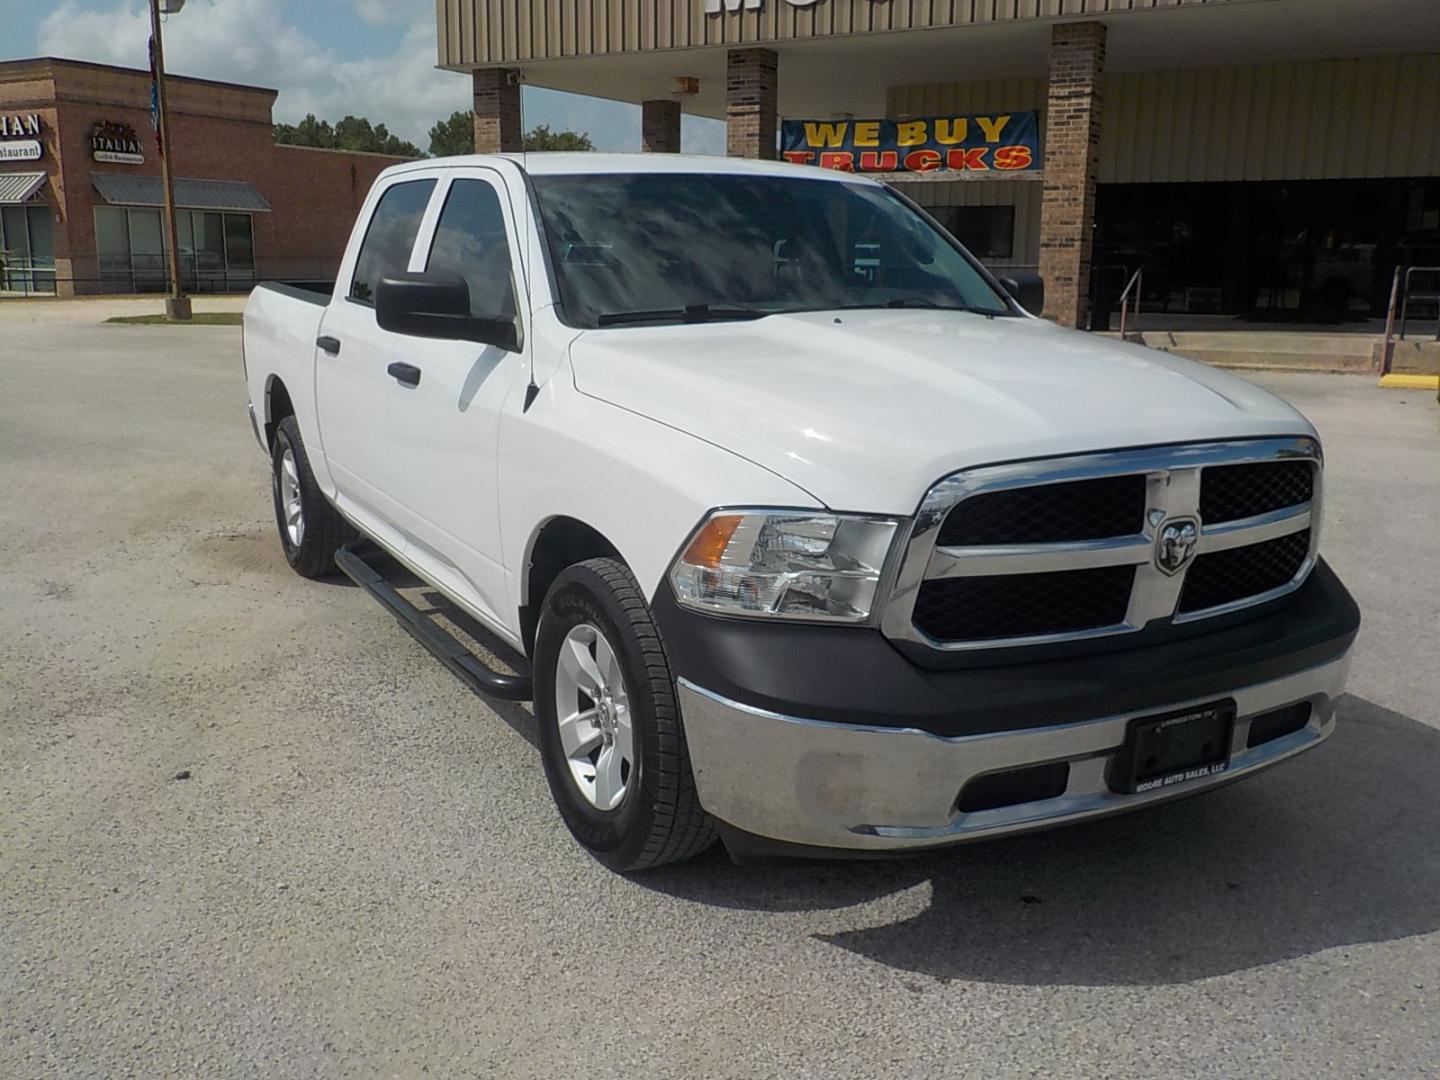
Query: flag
x=155, y=99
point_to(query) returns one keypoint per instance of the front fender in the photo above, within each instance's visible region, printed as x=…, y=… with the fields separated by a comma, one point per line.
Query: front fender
x=642, y=485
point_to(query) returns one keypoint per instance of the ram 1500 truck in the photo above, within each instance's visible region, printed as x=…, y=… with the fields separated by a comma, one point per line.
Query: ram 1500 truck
x=802, y=530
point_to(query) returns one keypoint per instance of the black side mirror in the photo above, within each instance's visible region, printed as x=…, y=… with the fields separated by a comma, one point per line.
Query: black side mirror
x=1028, y=289
x=438, y=306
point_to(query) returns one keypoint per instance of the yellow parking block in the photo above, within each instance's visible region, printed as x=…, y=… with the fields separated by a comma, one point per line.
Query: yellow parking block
x=1410, y=382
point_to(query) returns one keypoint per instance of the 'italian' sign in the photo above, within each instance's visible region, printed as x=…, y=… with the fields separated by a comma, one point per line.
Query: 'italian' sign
x=993, y=142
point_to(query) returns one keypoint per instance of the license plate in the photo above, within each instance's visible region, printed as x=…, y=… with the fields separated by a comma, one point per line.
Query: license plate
x=1161, y=751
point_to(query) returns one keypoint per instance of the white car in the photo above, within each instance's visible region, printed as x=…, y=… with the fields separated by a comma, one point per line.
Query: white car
x=810, y=536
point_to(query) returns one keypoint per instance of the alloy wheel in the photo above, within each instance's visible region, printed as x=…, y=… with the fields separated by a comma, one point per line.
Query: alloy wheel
x=592, y=709
x=290, y=498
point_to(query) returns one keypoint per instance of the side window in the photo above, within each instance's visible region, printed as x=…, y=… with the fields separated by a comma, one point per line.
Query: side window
x=470, y=241
x=390, y=236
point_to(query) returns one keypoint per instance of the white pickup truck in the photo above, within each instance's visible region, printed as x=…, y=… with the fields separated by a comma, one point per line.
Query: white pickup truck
x=801, y=530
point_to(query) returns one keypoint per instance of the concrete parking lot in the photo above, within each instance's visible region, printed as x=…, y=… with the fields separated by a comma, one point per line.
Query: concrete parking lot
x=363, y=874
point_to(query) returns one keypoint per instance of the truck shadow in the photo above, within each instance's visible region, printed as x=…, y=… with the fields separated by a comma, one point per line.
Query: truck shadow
x=1335, y=848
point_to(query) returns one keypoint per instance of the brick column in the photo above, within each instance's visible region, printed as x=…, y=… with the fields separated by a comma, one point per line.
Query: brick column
x=497, y=111
x=1072, y=155
x=750, y=103
x=660, y=126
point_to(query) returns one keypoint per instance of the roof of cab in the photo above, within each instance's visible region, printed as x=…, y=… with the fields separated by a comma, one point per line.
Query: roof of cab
x=590, y=163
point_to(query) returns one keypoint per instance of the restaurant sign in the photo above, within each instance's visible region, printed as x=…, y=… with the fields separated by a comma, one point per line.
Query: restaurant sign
x=20, y=137
x=116, y=144
x=992, y=142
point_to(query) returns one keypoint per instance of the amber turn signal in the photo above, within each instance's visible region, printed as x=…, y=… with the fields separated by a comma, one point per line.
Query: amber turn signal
x=712, y=540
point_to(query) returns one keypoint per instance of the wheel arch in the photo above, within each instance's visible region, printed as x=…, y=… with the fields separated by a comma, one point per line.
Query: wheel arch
x=278, y=405
x=558, y=542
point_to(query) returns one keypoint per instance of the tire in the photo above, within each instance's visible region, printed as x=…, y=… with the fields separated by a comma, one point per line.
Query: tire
x=596, y=606
x=310, y=550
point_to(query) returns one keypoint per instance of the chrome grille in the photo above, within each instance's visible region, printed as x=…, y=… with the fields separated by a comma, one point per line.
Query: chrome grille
x=1020, y=605
x=1075, y=548
x=1224, y=577
x=1048, y=513
x=1232, y=492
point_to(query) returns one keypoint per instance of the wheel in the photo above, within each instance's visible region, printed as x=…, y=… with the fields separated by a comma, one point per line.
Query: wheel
x=310, y=528
x=610, y=733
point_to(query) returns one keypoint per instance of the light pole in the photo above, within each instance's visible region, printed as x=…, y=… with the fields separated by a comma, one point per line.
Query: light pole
x=177, y=304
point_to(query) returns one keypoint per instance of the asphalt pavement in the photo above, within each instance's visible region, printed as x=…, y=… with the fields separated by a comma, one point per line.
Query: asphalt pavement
x=248, y=828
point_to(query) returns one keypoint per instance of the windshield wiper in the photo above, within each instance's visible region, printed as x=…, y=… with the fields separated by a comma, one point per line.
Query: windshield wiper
x=690, y=313
x=973, y=309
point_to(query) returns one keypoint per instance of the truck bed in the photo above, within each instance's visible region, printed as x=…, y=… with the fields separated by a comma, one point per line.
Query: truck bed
x=314, y=291
x=282, y=319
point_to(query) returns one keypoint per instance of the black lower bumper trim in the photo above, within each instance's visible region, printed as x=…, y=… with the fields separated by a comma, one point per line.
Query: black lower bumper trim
x=855, y=676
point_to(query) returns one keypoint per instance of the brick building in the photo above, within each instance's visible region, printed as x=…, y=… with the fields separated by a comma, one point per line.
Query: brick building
x=80, y=189
x=1270, y=158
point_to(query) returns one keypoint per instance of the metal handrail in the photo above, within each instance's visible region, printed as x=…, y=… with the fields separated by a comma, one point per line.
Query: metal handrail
x=1136, y=283
x=1405, y=298
x=24, y=271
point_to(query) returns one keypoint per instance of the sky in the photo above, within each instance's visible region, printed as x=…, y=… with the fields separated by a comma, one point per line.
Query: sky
x=373, y=58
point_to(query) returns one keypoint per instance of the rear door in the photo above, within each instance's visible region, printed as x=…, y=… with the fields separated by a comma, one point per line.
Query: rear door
x=353, y=391
x=444, y=432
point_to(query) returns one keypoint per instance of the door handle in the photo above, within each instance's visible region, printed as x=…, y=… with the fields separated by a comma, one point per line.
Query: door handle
x=329, y=345
x=407, y=374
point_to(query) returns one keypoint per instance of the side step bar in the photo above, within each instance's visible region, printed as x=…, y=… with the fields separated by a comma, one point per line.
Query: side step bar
x=461, y=661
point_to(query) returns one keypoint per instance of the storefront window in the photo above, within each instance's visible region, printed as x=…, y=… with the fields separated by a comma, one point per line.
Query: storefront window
x=147, y=250
x=27, y=250
x=239, y=252
x=217, y=250
x=988, y=232
x=112, y=242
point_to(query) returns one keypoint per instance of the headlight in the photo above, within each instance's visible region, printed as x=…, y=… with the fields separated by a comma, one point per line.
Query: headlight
x=788, y=564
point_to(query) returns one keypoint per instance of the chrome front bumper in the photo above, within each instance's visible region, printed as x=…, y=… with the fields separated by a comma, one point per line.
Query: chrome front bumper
x=846, y=786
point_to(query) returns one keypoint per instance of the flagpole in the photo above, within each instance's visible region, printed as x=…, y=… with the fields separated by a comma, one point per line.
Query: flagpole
x=177, y=304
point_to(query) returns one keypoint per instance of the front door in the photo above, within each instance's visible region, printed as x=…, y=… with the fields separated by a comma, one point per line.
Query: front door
x=353, y=392
x=443, y=432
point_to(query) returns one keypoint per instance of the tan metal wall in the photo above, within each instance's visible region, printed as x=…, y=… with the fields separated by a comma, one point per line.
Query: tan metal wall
x=479, y=32
x=1372, y=117
x=1322, y=120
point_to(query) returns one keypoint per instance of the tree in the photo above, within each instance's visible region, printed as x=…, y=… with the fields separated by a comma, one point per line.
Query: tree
x=456, y=135
x=351, y=133
x=542, y=138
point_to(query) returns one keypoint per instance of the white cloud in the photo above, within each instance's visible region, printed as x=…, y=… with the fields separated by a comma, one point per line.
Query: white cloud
x=254, y=41
x=251, y=41
x=376, y=12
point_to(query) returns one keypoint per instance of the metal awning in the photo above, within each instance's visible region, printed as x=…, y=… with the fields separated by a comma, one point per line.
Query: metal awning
x=19, y=187
x=118, y=190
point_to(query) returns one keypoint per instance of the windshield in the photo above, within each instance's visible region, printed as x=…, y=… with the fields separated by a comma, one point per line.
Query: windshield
x=670, y=247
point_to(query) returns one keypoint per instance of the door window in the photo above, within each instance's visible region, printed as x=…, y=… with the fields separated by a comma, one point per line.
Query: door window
x=470, y=241
x=390, y=237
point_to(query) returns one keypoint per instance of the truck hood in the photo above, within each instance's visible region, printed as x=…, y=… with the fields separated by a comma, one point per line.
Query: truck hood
x=866, y=409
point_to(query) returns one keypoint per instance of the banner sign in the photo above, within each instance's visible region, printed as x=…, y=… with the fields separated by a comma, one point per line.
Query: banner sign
x=1000, y=142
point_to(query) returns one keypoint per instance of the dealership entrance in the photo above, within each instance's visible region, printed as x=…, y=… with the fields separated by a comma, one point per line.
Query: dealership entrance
x=1316, y=251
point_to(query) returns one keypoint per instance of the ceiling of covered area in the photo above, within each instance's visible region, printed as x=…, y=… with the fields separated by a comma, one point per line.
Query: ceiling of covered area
x=850, y=74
